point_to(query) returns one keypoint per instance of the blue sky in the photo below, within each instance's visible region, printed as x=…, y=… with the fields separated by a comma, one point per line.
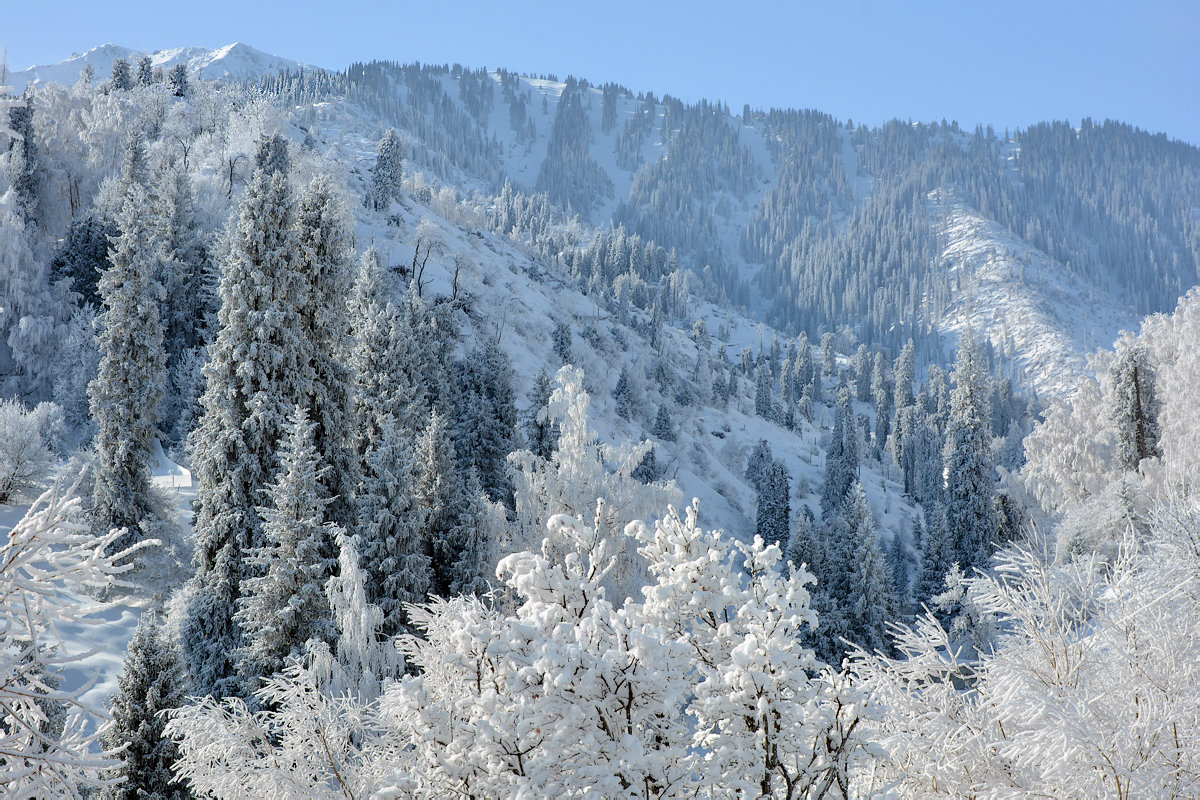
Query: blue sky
x=1005, y=63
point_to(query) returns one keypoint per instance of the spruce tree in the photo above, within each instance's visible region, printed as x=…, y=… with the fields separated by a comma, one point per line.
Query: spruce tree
x=257, y=372
x=439, y=496
x=391, y=527
x=485, y=427
x=937, y=556
x=178, y=80
x=125, y=394
x=622, y=393
x=773, y=514
x=323, y=258
x=967, y=463
x=122, y=75
x=283, y=604
x=152, y=683
x=387, y=173
x=841, y=459
x=1135, y=410
x=541, y=434
x=145, y=71
x=871, y=596
x=662, y=428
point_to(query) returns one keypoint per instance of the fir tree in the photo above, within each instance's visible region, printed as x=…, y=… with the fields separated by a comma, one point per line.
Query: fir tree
x=871, y=596
x=125, y=393
x=283, y=604
x=152, y=683
x=439, y=497
x=145, y=71
x=622, y=393
x=178, y=80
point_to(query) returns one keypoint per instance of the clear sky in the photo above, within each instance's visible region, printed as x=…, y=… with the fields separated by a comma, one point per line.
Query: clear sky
x=1006, y=63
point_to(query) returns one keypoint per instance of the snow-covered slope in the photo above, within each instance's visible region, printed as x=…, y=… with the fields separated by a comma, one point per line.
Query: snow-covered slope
x=235, y=61
x=1033, y=310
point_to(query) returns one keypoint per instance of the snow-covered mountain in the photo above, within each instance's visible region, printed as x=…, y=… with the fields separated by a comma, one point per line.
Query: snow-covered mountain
x=237, y=62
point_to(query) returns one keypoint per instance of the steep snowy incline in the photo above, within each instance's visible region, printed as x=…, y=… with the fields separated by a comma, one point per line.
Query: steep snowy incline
x=1033, y=310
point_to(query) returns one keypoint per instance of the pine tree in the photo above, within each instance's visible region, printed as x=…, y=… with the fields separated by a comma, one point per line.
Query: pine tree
x=485, y=427
x=272, y=156
x=178, y=80
x=152, y=683
x=283, y=604
x=937, y=556
x=1135, y=411
x=257, y=372
x=387, y=174
x=125, y=394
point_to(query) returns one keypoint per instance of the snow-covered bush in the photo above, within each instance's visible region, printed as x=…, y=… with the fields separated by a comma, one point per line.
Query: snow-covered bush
x=47, y=562
x=25, y=453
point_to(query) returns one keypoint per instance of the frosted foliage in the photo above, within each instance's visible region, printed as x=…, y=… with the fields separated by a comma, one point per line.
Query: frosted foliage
x=581, y=470
x=1092, y=690
x=32, y=314
x=48, y=560
x=24, y=456
x=701, y=689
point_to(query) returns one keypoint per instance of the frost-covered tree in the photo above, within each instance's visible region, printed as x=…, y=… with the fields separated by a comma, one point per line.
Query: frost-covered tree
x=32, y=315
x=1136, y=407
x=391, y=527
x=272, y=156
x=773, y=510
x=48, y=561
x=282, y=602
x=871, y=595
x=122, y=75
x=178, y=80
x=258, y=371
x=485, y=425
x=145, y=71
x=152, y=684
x=841, y=459
x=386, y=174
x=25, y=453
x=967, y=462
x=323, y=259
x=623, y=395
x=663, y=429
x=580, y=471
x=440, y=500
x=541, y=434
x=1089, y=691
x=83, y=256
x=125, y=394
x=561, y=341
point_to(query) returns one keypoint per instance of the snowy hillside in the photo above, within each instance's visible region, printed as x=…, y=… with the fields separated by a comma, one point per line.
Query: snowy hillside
x=236, y=62
x=1044, y=319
